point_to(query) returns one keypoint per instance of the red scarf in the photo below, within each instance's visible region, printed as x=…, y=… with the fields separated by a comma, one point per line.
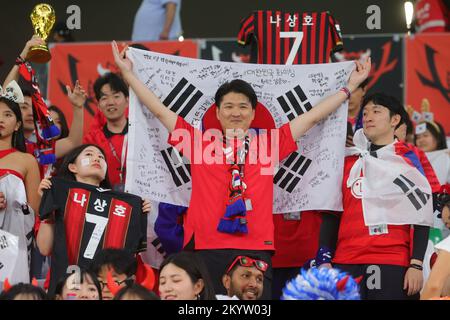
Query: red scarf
x=234, y=219
x=45, y=129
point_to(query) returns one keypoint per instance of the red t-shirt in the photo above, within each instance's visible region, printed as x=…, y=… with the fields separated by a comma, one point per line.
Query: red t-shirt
x=355, y=245
x=296, y=241
x=210, y=193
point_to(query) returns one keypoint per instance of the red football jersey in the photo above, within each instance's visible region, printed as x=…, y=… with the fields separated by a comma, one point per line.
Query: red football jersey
x=290, y=38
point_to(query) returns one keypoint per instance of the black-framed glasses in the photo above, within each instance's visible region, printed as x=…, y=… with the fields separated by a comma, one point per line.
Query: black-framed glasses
x=128, y=281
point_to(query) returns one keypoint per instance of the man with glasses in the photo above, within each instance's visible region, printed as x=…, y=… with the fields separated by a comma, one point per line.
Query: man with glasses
x=244, y=278
x=121, y=263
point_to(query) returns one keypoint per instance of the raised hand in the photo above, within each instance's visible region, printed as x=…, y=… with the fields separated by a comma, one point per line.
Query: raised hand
x=78, y=96
x=359, y=74
x=120, y=58
x=34, y=41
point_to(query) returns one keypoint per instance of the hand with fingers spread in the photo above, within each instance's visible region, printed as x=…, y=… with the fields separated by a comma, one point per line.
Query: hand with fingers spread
x=34, y=41
x=146, y=206
x=78, y=96
x=359, y=74
x=44, y=185
x=124, y=64
x=2, y=201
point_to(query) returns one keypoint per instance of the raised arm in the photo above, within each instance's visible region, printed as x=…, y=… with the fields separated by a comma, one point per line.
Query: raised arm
x=77, y=99
x=167, y=117
x=306, y=121
x=14, y=73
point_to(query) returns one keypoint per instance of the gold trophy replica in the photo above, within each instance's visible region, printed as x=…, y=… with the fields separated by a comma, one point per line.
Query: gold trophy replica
x=42, y=18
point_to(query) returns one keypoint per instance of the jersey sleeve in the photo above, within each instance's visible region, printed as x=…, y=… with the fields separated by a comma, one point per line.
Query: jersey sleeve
x=335, y=33
x=49, y=202
x=246, y=30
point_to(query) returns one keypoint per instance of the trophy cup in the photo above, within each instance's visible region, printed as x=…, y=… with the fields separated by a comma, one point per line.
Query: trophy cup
x=42, y=18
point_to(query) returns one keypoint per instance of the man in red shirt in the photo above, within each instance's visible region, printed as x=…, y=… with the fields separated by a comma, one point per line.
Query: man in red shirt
x=111, y=93
x=215, y=226
x=389, y=263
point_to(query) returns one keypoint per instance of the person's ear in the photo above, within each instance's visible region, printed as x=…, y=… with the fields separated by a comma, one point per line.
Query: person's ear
x=18, y=124
x=226, y=281
x=395, y=120
x=199, y=286
x=217, y=112
x=72, y=168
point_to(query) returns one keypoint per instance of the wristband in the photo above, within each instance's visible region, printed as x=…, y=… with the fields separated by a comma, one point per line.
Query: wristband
x=346, y=91
x=20, y=60
x=416, y=266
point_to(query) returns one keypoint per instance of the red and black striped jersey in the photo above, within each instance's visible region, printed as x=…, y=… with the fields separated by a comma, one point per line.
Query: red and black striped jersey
x=290, y=38
x=89, y=219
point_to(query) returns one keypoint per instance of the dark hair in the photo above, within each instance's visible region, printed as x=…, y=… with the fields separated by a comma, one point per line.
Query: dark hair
x=438, y=133
x=442, y=200
x=237, y=86
x=17, y=139
x=62, y=118
x=83, y=273
x=115, y=82
x=387, y=101
x=24, y=288
x=136, y=290
x=25, y=86
x=65, y=173
x=409, y=124
x=195, y=268
x=121, y=260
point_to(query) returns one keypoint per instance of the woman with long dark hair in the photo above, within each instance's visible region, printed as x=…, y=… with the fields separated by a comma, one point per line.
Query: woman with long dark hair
x=19, y=179
x=85, y=165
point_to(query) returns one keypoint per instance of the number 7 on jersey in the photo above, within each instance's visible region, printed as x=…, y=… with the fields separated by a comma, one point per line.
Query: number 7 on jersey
x=298, y=36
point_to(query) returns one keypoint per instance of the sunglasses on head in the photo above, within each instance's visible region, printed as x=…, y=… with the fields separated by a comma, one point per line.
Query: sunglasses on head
x=248, y=262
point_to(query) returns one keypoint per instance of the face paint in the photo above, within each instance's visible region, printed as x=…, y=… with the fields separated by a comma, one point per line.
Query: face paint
x=85, y=162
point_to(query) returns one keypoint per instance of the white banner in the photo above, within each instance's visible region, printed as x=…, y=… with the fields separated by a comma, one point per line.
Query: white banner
x=310, y=179
x=9, y=252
